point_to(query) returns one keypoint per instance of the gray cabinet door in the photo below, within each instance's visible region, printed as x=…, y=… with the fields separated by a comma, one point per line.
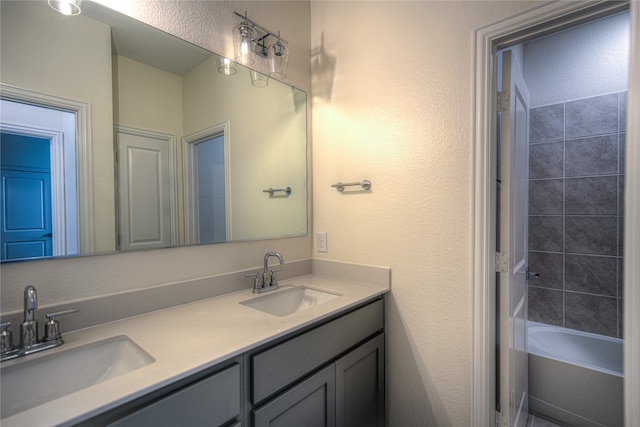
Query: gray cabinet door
x=311, y=403
x=360, y=388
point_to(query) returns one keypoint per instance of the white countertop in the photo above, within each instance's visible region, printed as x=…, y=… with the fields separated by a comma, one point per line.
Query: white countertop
x=185, y=340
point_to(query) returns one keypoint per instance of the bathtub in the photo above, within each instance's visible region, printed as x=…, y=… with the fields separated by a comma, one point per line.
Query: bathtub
x=575, y=377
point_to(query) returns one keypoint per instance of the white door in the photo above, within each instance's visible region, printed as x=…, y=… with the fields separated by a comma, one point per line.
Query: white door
x=144, y=190
x=513, y=174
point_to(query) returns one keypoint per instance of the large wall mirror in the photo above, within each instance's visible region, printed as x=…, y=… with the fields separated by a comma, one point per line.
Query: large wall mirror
x=118, y=136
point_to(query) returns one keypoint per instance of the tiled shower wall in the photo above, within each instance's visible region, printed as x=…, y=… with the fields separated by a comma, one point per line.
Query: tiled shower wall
x=576, y=178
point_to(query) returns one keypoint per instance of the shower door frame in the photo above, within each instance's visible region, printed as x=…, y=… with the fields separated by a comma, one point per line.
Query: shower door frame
x=548, y=18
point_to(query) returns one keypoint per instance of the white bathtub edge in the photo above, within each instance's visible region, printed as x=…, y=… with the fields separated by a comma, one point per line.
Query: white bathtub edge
x=558, y=383
x=551, y=411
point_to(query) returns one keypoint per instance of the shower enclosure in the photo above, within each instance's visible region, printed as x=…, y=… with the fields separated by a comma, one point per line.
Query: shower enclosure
x=577, y=134
x=576, y=185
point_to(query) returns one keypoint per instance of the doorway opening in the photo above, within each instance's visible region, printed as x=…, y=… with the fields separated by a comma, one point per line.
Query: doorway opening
x=577, y=80
x=67, y=124
x=206, y=168
x=39, y=182
x=539, y=22
x=211, y=209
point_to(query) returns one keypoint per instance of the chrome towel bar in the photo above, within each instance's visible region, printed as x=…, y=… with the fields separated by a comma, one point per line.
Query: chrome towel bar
x=365, y=184
x=286, y=190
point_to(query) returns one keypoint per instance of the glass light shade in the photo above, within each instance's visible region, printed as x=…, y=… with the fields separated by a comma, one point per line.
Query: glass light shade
x=278, y=60
x=244, y=43
x=66, y=7
x=258, y=79
x=225, y=66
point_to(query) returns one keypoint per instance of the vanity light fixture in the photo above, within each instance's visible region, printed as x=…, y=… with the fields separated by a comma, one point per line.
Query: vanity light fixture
x=278, y=59
x=66, y=7
x=252, y=38
x=225, y=66
x=244, y=40
x=259, y=79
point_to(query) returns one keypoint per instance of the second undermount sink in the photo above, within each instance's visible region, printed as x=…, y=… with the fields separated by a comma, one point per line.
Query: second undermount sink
x=292, y=300
x=32, y=382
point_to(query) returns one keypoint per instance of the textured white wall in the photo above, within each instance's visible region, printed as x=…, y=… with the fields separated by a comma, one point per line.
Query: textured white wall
x=401, y=114
x=209, y=24
x=585, y=61
x=146, y=97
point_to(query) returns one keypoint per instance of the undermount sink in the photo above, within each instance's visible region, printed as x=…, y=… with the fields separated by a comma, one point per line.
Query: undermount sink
x=29, y=383
x=288, y=301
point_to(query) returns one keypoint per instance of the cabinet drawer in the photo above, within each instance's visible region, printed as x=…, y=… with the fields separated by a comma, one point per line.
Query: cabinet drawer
x=212, y=401
x=281, y=365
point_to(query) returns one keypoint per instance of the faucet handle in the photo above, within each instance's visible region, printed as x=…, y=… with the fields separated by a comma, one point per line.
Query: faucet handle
x=6, y=337
x=257, y=281
x=52, y=327
x=274, y=278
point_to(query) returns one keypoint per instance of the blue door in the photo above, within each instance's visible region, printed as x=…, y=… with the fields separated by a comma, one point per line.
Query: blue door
x=25, y=197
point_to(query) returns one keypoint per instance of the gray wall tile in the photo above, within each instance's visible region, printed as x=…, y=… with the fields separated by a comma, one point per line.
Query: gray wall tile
x=620, y=318
x=620, y=277
x=620, y=236
x=623, y=112
x=545, y=233
x=621, y=195
x=545, y=306
x=546, y=123
x=621, y=150
x=546, y=160
x=591, y=235
x=546, y=197
x=592, y=116
x=591, y=156
x=550, y=268
x=591, y=274
x=592, y=196
x=591, y=313
x=576, y=188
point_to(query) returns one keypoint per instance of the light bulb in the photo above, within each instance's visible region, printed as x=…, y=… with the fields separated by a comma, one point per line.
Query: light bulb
x=244, y=39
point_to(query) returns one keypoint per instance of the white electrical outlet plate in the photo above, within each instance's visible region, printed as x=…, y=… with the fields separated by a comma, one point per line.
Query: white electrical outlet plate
x=321, y=241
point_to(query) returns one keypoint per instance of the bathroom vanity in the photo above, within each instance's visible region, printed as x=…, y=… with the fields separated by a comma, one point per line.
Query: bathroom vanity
x=335, y=370
x=224, y=362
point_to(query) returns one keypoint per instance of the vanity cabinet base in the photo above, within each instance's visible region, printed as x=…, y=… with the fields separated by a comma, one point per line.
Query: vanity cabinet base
x=339, y=379
x=347, y=393
x=330, y=374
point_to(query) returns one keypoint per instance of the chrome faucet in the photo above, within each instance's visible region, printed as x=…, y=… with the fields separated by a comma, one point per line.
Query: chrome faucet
x=29, y=342
x=29, y=328
x=268, y=280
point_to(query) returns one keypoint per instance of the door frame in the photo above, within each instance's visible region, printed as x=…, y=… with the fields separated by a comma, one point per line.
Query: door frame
x=545, y=19
x=84, y=156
